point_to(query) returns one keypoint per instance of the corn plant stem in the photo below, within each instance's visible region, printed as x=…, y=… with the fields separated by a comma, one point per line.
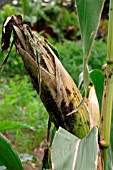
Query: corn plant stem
x=110, y=34
x=105, y=124
x=105, y=158
x=108, y=86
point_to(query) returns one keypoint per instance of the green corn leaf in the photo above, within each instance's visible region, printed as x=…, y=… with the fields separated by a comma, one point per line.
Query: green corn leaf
x=89, y=12
x=8, y=125
x=7, y=155
x=72, y=153
x=97, y=78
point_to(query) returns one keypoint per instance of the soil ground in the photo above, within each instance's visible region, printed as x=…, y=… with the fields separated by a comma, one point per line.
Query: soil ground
x=38, y=153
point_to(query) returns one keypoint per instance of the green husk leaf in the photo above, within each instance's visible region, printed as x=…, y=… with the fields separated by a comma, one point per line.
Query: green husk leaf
x=71, y=153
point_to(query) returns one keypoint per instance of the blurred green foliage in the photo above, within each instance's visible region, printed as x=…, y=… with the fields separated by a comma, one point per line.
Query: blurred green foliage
x=8, y=10
x=51, y=18
x=55, y=21
x=14, y=64
x=19, y=102
x=71, y=56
